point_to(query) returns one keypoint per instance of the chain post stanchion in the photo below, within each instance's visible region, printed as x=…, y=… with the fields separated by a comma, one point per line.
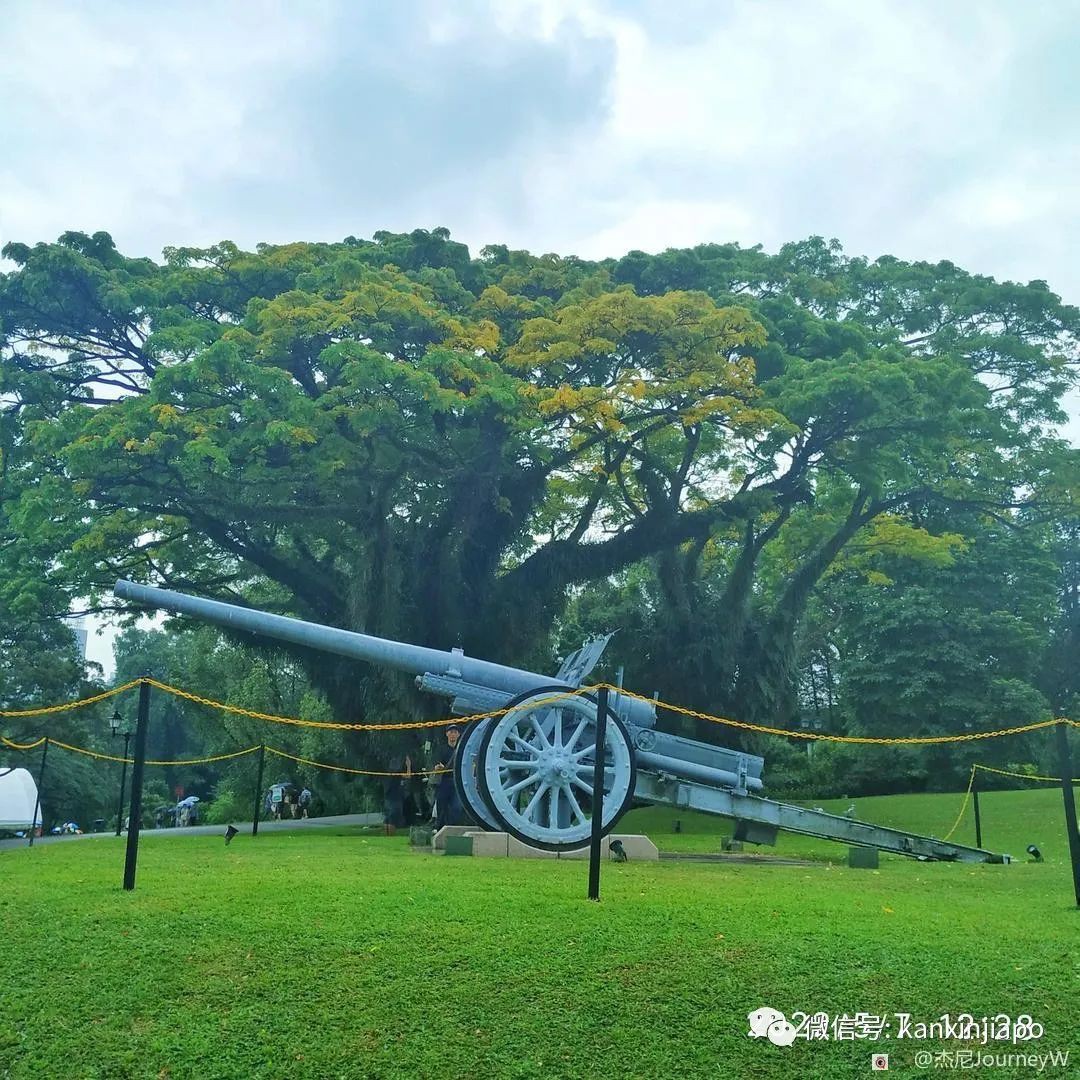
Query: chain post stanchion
x=598, y=793
x=135, y=815
x=975, y=803
x=258, y=792
x=37, y=801
x=1065, y=758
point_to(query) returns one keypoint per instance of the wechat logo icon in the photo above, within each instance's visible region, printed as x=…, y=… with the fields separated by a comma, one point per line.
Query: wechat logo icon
x=771, y=1024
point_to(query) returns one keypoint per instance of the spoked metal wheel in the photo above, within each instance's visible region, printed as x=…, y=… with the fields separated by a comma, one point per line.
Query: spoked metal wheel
x=466, y=767
x=536, y=764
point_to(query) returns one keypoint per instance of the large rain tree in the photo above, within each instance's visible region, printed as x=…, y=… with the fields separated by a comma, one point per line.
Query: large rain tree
x=392, y=436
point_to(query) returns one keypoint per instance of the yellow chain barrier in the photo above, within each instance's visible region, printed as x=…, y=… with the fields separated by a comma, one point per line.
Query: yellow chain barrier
x=331, y=725
x=1023, y=775
x=910, y=740
x=412, y=725
x=963, y=808
x=131, y=761
x=1000, y=772
x=419, y=724
x=222, y=757
x=45, y=710
x=355, y=772
x=22, y=746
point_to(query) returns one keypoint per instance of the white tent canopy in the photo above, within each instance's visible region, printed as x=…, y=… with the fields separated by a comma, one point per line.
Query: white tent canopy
x=18, y=796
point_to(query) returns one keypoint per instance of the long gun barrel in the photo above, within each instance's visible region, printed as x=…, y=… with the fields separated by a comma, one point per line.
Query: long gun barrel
x=450, y=674
x=411, y=659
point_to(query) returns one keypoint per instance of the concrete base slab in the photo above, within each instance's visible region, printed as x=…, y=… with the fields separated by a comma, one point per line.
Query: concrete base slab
x=439, y=843
x=489, y=845
x=499, y=845
x=517, y=850
x=459, y=845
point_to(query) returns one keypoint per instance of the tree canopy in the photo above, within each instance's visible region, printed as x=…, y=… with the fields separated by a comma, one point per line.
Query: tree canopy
x=395, y=436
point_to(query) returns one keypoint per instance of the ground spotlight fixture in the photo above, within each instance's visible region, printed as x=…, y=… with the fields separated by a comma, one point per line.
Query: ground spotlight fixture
x=618, y=852
x=230, y=832
x=1035, y=853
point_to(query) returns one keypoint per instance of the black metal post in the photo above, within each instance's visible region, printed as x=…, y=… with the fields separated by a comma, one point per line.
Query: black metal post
x=123, y=782
x=975, y=799
x=258, y=792
x=135, y=815
x=37, y=801
x=598, y=793
x=1065, y=759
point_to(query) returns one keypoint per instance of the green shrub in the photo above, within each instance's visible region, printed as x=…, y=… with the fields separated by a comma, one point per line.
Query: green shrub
x=228, y=806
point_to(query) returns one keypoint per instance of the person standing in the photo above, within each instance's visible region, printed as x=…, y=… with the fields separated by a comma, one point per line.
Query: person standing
x=448, y=806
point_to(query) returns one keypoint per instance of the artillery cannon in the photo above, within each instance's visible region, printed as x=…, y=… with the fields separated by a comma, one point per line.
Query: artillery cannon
x=529, y=771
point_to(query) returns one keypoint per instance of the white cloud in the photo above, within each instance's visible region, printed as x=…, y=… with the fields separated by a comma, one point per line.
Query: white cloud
x=116, y=116
x=998, y=203
x=896, y=128
x=890, y=126
x=590, y=126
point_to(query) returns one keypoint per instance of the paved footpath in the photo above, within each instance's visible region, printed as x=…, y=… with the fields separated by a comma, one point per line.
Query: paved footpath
x=212, y=830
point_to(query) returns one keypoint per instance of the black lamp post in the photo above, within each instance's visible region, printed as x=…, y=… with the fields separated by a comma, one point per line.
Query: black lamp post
x=115, y=723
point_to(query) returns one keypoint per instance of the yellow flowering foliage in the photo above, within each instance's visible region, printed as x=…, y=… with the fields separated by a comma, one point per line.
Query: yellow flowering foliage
x=889, y=535
x=613, y=357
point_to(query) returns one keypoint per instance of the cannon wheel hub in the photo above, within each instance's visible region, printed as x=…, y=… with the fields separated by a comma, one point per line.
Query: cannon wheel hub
x=535, y=769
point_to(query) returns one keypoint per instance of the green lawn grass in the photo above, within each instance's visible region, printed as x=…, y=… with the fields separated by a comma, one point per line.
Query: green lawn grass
x=310, y=954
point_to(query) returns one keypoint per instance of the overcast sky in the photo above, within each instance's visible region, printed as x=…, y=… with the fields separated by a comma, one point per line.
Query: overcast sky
x=922, y=129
